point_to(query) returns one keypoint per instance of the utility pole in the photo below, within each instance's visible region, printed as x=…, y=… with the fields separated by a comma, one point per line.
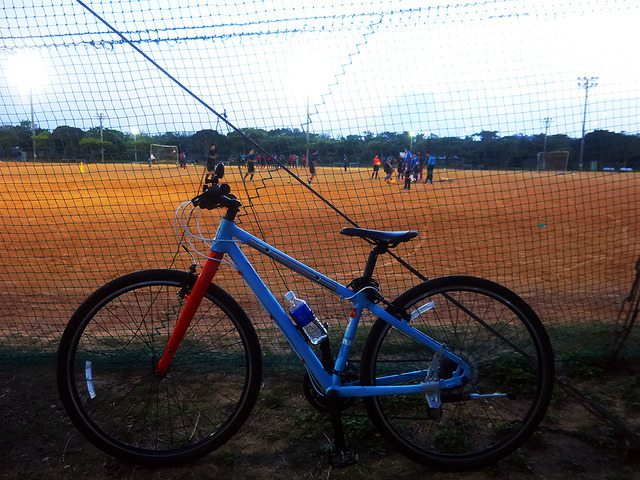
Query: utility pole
x=100, y=116
x=308, y=122
x=547, y=122
x=33, y=126
x=135, y=132
x=585, y=83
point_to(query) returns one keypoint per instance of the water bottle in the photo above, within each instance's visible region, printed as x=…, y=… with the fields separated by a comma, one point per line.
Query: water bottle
x=306, y=319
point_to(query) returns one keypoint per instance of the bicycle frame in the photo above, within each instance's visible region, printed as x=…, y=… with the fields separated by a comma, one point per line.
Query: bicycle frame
x=226, y=242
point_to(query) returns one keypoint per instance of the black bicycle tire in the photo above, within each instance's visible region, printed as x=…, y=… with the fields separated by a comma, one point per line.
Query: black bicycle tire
x=541, y=347
x=250, y=352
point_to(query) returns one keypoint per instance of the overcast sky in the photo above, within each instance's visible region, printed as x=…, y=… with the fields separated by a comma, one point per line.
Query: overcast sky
x=360, y=66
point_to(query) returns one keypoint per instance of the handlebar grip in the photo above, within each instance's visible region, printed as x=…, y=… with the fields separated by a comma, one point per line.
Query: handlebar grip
x=212, y=198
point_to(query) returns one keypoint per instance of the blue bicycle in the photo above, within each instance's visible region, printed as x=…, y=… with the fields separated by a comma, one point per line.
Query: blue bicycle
x=160, y=367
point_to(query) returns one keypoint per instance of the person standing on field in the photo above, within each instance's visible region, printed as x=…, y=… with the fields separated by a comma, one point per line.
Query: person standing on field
x=418, y=167
x=376, y=166
x=431, y=163
x=212, y=160
x=388, y=170
x=408, y=168
x=313, y=159
x=251, y=165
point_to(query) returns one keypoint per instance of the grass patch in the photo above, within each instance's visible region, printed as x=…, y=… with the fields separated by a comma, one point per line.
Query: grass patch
x=287, y=438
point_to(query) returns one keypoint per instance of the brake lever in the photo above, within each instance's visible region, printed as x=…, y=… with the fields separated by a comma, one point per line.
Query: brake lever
x=212, y=196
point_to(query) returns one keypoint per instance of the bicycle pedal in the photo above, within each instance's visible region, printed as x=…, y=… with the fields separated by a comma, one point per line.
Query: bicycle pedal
x=342, y=458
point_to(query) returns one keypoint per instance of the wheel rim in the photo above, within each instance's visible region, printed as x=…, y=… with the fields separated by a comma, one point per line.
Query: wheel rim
x=503, y=356
x=124, y=407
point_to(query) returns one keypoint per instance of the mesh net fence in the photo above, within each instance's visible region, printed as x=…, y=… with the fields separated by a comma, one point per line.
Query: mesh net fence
x=480, y=89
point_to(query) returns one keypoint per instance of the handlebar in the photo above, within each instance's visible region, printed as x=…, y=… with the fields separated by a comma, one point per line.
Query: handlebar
x=217, y=196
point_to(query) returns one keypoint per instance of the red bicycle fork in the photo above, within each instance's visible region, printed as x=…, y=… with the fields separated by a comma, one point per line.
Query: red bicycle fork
x=191, y=306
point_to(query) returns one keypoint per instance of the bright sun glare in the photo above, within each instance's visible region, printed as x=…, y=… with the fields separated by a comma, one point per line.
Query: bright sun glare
x=27, y=71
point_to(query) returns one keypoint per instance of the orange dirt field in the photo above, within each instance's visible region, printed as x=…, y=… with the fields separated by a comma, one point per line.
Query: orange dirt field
x=567, y=243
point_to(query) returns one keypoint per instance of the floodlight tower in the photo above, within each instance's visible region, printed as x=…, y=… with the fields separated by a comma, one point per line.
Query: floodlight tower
x=585, y=83
x=28, y=73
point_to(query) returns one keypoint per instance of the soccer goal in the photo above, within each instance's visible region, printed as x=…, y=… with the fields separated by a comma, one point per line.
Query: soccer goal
x=553, y=161
x=163, y=153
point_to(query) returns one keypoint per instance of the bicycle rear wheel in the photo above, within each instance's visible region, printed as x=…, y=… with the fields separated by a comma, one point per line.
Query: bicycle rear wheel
x=500, y=337
x=108, y=355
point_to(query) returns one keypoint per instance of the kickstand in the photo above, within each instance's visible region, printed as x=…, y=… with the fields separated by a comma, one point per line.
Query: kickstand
x=340, y=456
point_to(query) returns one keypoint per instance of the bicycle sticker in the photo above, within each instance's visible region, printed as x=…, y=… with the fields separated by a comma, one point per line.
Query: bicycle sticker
x=89, y=376
x=420, y=310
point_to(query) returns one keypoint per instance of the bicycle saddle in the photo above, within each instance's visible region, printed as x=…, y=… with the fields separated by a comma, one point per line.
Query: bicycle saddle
x=378, y=236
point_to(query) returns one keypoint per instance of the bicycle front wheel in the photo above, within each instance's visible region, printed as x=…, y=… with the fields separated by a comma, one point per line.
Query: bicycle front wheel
x=494, y=332
x=106, y=370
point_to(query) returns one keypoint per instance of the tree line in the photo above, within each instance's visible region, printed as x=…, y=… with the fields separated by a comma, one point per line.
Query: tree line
x=484, y=150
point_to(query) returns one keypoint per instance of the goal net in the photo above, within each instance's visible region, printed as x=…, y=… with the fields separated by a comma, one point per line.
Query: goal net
x=163, y=153
x=553, y=161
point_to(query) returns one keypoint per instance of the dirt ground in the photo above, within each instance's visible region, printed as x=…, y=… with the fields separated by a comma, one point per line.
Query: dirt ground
x=285, y=438
x=566, y=243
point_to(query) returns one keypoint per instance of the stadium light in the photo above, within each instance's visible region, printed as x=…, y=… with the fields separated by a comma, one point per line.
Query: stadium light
x=28, y=73
x=585, y=83
x=411, y=135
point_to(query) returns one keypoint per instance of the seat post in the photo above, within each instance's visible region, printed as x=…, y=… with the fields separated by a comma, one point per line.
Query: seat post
x=379, y=249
